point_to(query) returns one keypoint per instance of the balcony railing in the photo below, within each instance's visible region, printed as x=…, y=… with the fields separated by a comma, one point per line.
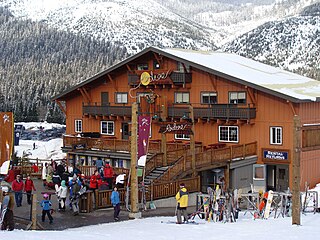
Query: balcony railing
x=179, y=78
x=105, y=110
x=215, y=111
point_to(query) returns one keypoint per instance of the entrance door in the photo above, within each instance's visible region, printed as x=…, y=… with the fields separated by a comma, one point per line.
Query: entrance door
x=104, y=98
x=282, y=178
x=125, y=131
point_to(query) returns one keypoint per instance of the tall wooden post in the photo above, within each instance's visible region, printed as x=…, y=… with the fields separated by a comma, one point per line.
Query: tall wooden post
x=164, y=148
x=134, y=213
x=34, y=212
x=192, y=143
x=296, y=170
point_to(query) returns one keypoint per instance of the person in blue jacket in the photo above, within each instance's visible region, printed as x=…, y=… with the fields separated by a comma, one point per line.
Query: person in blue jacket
x=115, y=201
x=46, y=208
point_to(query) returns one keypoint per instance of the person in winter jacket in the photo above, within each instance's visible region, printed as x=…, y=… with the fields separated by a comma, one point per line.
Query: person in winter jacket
x=62, y=195
x=75, y=186
x=10, y=177
x=182, y=204
x=93, y=185
x=28, y=187
x=115, y=201
x=17, y=187
x=46, y=208
x=108, y=174
x=7, y=219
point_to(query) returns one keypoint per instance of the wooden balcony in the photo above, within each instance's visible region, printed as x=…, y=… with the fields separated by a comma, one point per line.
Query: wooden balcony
x=105, y=110
x=215, y=111
x=180, y=78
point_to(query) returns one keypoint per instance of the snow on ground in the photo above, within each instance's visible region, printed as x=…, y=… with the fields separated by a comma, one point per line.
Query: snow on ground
x=43, y=149
x=152, y=228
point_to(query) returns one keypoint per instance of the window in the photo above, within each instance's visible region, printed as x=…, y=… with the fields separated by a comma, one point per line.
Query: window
x=237, y=97
x=182, y=136
x=258, y=172
x=209, y=98
x=182, y=67
x=121, y=97
x=78, y=126
x=181, y=97
x=228, y=134
x=142, y=66
x=107, y=127
x=276, y=135
x=141, y=95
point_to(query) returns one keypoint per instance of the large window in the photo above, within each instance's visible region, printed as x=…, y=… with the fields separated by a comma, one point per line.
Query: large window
x=228, y=134
x=276, y=135
x=237, y=98
x=78, y=126
x=121, y=97
x=107, y=127
x=182, y=97
x=182, y=136
x=209, y=98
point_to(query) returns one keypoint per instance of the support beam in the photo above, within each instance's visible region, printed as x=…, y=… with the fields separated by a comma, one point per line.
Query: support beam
x=213, y=80
x=113, y=82
x=192, y=143
x=296, y=152
x=251, y=95
x=292, y=108
x=87, y=94
x=61, y=107
x=164, y=148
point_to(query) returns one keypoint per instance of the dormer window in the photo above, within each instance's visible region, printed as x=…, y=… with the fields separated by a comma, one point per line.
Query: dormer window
x=142, y=66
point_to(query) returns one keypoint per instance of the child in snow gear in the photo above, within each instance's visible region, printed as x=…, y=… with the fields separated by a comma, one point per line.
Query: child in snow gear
x=182, y=204
x=46, y=207
x=115, y=201
x=62, y=195
x=28, y=187
x=6, y=210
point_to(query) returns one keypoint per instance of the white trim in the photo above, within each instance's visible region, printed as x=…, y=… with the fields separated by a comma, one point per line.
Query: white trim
x=271, y=135
x=182, y=138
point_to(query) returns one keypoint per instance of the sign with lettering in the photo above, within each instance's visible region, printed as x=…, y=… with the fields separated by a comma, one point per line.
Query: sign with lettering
x=78, y=146
x=176, y=128
x=275, y=155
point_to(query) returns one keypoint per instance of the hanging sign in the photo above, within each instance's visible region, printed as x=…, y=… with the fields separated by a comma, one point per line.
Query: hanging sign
x=144, y=123
x=176, y=128
x=147, y=78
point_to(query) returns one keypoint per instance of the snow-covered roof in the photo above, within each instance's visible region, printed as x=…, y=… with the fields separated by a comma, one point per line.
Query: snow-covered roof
x=252, y=72
x=272, y=80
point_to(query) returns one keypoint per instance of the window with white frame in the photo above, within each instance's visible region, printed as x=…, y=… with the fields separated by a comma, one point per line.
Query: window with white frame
x=209, y=98
x=182, y=97
x=182, y=136
x=141, y=95
x=107, y=127
x=237, y=98
x=276, y=135
x=78, y=126
x=121, y=97
x=228, y=134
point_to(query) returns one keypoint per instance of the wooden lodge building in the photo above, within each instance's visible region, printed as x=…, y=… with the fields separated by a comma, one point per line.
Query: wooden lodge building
x=213, y=114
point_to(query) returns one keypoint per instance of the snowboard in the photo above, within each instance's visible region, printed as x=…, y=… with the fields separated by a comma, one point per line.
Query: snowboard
x=268, y=205
x=4, y=209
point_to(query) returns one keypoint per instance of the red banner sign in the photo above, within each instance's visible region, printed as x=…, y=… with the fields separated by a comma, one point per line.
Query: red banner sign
x=144, y=123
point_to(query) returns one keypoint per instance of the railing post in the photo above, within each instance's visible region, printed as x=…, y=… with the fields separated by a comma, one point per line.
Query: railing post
x=34, y=212
x=164, y=148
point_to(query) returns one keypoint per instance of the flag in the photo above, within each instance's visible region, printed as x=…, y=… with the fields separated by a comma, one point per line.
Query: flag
x=6, y=136
x=144, y=124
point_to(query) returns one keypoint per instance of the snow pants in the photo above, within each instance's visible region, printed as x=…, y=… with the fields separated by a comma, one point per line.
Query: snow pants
x=182, y=212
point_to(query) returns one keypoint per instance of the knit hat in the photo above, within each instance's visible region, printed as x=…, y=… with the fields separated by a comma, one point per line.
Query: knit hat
x=63, y=183
x=182, y=185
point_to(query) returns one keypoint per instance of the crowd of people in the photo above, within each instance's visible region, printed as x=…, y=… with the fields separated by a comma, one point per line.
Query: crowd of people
x=69, y=184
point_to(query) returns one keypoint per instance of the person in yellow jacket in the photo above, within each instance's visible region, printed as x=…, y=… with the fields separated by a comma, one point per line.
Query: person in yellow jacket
x=182, y=204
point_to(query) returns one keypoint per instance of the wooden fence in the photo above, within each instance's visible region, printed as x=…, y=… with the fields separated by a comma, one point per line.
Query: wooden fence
x=154, y=191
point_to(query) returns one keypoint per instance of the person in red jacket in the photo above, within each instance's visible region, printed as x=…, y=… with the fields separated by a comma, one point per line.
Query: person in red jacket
x=28, y=187
x=10, y=177
x=108, y=174
x=17, y=187
x=93, y=185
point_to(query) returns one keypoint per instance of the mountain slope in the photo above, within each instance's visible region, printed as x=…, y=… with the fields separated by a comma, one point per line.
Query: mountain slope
x=292, y=44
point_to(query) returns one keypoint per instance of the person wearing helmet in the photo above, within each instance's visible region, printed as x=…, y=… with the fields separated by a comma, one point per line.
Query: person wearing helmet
x=6, y=210
x=46, y=208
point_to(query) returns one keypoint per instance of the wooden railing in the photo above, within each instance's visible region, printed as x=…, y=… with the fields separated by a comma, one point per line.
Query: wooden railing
x=208, y=158
x=155, y=161
x=155, y=191
x=89, y=170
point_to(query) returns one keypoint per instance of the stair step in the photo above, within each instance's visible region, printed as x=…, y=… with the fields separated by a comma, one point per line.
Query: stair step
x=162, y=168
x=158, y=171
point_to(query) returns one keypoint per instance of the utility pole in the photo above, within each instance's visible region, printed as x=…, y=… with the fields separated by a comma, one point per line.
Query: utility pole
x=134, y=213
x=296, y=170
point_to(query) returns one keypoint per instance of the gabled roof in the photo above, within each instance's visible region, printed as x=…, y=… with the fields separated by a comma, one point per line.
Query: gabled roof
x=265, y=78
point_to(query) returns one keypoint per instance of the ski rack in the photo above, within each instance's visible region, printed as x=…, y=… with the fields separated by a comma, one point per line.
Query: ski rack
x=252, y=202
x=305, y=200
